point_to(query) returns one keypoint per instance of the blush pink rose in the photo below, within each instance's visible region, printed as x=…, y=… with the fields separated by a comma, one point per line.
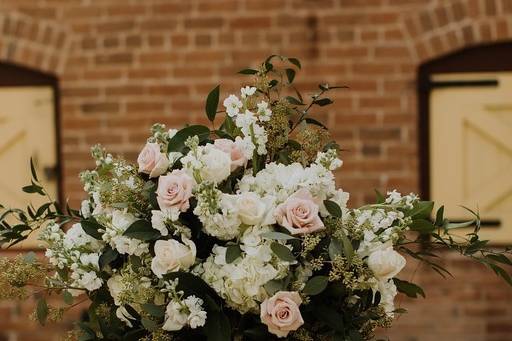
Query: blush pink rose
x=299, y=213
x=238, y=158
x=174, y=190
x=151, y=161
x=281, y=313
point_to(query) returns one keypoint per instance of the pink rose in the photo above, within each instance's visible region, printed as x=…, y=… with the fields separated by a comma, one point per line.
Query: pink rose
x=238, y=158
x=151, y=161
x=281, y=313
x=299, y=213
x=174, y=190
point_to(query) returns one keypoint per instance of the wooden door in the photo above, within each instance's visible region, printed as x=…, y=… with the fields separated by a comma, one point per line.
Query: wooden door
x=27, y=129
x=471, y=150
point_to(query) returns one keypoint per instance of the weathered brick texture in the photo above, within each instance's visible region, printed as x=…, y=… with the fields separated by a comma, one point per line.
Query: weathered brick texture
x=124, y=64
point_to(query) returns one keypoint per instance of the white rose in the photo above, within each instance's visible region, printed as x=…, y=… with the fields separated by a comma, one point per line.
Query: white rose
x=217, y=165
x=386, y=263
x=171, y=255
x=175, y=318
x=115, y=287
x=251, y=209
x=124, y=316
x=122, y=220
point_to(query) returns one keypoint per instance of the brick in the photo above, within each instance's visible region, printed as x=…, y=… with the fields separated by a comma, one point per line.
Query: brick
x=123, y=65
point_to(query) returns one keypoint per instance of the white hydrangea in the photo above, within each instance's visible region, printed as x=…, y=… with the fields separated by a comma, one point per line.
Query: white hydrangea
x=120, y=221
x=219, y=214
x=241, y=283
x=281, y=181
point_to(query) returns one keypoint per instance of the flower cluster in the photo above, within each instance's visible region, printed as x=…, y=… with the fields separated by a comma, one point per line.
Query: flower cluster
x=227, y=233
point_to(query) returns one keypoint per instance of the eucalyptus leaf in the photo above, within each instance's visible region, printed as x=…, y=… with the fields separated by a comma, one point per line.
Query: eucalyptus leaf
x=333, y=208
x=232, y=253
x=154, y=310
x=277, y=236
x=335, y=248
x=316, y=285
x=282, y=252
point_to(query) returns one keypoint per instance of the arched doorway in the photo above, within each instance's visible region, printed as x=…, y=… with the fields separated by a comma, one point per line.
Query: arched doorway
x=465, y=134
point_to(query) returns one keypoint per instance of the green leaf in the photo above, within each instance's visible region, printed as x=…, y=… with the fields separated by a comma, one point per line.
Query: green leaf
x=316, y=285
x=290, y=74
x=232, y=253
x=272, y=83
x=400, y=311
x=333, y=208
x=380, y=198
x=452, y=226
x=282, y=252
x=177, y=143
x=107, y=257
x=295, y=62
x=422, y=210
x=273, y=286
x=501, y=273
x=410, y=289
x=149, y=324
x=323, y=101
x=33, y=189
x=293, y=100
x=277, y=236
x=500, y=258
x=217, y=327
x=212, y=101
x=422, y=226
x=440, y=216
x=67, y=297
x=143, y=230
x=42, y=311
x=329, y=316
x=91, y=227
x=348, y=249
x=33, y=170
x=248, y=72
x=310, y=120
x=154, y=310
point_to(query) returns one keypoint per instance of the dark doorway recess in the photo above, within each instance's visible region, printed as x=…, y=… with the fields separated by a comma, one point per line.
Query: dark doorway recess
x=12, y=75
x=482, y=58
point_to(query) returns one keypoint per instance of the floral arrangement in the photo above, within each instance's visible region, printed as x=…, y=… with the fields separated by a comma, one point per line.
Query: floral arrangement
x=230, y=233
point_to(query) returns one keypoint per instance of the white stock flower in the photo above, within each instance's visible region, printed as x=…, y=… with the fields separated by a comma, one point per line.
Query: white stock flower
x=386, y=263
x=161, y=217
x=197, y=316
x=247, y=91
x=175, y=317
x=85, y=209
x=90, y=281
x=232, y=105
x=388, y=292
x=264, y=111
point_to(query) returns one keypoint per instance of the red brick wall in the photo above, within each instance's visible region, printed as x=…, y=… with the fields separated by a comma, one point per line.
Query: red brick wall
x=124, y=64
